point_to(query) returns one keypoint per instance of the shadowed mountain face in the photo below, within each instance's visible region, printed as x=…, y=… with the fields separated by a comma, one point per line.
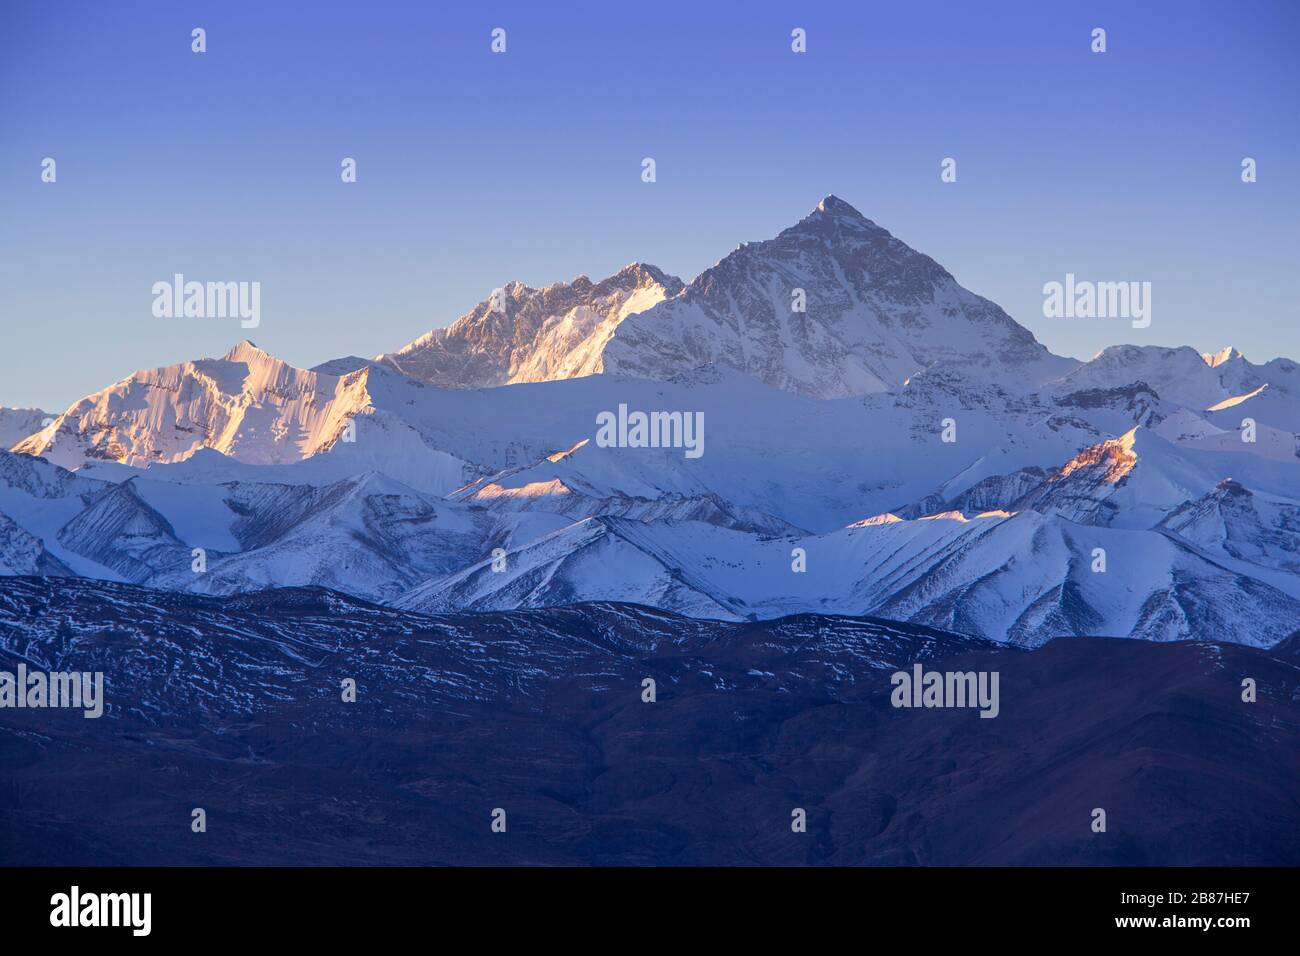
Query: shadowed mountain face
x=834, y=306
x=234, y=705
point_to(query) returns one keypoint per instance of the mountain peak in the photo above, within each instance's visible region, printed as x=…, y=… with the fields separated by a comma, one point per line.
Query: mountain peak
x=645, y=273
x=1231, y=486
x=837, y=210
x=835, y=206
x=246, y=351
x=834, y=221
x=1215, y=359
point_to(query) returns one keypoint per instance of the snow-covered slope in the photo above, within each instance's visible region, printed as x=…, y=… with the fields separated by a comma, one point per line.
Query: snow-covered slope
x=593, y=559
x=1271, y=408
x=22, y=553
x=1021, y=578
x=120, y=531
x=40, y=498
x=1131, y=482
x=368, y=536
x=1234, y=521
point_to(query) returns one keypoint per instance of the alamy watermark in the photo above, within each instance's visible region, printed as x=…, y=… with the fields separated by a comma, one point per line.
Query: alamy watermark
x=75, y=908
x=922, y=688
x=651, y=430
x=179, y=299
x=74, y=689
x=1083, y=299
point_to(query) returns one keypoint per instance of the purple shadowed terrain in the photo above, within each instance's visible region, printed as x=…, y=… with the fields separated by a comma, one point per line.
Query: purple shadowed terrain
x=233, y=705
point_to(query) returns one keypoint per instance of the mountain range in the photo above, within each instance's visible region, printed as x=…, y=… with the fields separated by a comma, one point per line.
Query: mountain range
x=877, y=440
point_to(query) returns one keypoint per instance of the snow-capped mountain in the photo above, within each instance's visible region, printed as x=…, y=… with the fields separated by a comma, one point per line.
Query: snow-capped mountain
x=1182, y=375
x=873, y=313
x=24, y=553
x=1023, y=578
x=368, y=536
x=558, y=486
x=1233, y=521
x=121, y=532
x=533, y=335
x=250, y=406
x=1131, y=481
x=834, y=306
x=247, y=404
x=917, y=450
x=17, y=423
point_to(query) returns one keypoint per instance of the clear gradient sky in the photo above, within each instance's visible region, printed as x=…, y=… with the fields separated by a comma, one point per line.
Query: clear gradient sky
x=475, y=169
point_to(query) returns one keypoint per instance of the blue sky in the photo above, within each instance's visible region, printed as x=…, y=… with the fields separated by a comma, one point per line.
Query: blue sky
x=475, y=169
